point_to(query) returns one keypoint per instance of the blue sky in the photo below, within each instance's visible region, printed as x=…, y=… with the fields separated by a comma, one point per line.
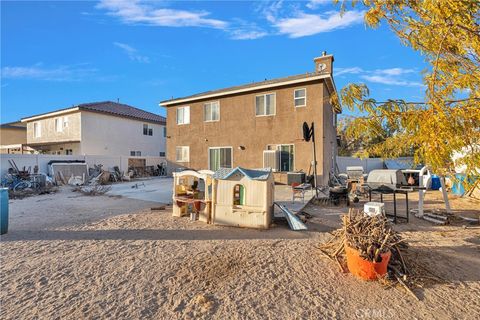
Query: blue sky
x=57, y=54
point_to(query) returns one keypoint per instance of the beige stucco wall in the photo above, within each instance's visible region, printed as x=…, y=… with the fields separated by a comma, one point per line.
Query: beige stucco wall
x=108, y=135
x=10, y=136
x=239, y=126
x=48, y=132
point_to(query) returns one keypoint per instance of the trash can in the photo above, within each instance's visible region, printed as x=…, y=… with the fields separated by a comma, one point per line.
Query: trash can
x=435, y=182
x=3, y=210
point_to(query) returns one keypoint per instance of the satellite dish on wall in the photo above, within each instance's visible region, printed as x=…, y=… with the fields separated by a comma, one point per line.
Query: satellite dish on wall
x=321, y=67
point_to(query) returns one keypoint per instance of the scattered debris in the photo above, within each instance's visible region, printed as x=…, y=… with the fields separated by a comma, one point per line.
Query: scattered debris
x=22, y=183
x=136, y=185
x=93, y=190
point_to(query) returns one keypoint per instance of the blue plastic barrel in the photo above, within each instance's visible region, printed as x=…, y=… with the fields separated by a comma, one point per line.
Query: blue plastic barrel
x=3, y=210
x=435, y=182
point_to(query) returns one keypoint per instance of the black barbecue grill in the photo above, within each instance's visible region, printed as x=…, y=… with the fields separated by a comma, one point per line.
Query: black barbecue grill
x=392, y=182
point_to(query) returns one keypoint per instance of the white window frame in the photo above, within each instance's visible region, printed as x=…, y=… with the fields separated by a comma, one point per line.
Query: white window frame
x=183, y=108
x=37, y=129
x=210, y=103
x=265, y=104
x=277, y=146
x=58, y=124
x=65, y=122
x=188, y=154
x=224, y=147
x=298, y=98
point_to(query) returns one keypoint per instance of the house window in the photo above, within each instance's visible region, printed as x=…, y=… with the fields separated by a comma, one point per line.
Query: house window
x=300, y=97
x=37, y=130
x=182, y=154
x=239, y=195
x=287, y=155
x=183, y=115
x=68, y=151
x=265, y=104
x=135, y=153
x=164, y=132
x=219, y=158
x=211, y=111
x=65, y=122
x=147, y=131
x=161, y=154
x=58, y=125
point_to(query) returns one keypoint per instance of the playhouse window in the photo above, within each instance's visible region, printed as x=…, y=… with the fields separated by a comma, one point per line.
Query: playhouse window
x=239, y=195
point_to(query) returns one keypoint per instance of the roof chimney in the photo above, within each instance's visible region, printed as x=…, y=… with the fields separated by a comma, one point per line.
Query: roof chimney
x=324, y=63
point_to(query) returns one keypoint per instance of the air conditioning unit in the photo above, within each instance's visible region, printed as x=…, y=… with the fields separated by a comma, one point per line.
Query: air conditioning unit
x=271, y=159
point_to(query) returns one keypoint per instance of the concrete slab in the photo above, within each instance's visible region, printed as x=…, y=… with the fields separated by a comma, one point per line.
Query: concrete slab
x=283, y=195
x=155, y=189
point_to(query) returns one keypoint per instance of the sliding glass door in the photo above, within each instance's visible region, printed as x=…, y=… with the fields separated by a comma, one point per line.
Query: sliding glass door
x=219, y=158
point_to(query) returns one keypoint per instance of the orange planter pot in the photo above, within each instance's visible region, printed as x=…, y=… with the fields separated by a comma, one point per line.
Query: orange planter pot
x=365, y=269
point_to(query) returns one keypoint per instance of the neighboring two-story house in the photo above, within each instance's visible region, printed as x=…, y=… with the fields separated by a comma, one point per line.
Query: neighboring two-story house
x=99, y=128
x=13, y=138
x=257, y=125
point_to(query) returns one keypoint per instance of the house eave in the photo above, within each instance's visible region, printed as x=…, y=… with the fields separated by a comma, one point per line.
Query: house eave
x=167, y=103
x=50, y=114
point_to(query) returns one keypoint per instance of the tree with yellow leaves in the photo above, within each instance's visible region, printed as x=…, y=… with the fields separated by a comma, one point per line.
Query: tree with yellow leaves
x=447, y=122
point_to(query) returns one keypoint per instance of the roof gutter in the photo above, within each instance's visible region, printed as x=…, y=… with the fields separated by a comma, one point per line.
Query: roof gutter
x=253, y=88
x=50, y=114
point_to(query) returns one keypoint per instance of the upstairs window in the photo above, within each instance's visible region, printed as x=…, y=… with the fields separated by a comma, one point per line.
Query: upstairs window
x=37, y=129
x=265, y=104
x=164, y=132
x=65, y=122
x=58, y=125
x=182, y=154
x=300, y=97
x=147, y=131
x=211, y=111
x=183, y=115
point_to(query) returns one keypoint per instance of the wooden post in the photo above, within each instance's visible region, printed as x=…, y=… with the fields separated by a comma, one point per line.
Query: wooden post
x=445, y=196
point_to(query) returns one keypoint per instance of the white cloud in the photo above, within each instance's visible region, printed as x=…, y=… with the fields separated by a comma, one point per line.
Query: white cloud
x=394, y=71
x=388, y=80
x=389, y=76
x=353, y=70
x=37, y=72
x=303, y=24
x=132, y=53
x=139, y=12
x=245, y=34
x=314, y=4
x=245, y=30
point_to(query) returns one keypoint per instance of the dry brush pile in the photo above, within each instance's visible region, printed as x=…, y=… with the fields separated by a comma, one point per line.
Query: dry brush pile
x=371, y=237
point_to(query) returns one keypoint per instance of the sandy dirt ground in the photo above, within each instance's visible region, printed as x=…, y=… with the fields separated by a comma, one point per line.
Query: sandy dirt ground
x=75, y=257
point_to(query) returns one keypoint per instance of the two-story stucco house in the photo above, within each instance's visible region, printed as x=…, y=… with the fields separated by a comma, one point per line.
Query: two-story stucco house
x=257, y=125
x=99, y=128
